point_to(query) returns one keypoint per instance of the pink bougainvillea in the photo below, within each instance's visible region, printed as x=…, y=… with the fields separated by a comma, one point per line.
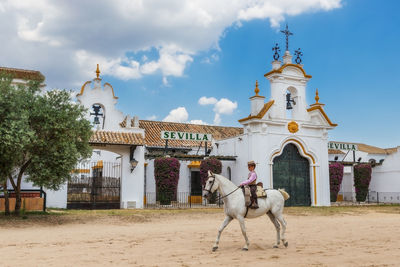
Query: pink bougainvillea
x=335, y=179
x=210, y=164
x=166, y=174
x=362, y=178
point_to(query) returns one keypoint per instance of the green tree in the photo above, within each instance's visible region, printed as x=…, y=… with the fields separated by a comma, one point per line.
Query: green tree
x=45, y=134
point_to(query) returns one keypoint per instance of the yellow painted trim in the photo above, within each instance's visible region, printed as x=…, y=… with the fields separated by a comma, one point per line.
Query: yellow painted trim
x=195, y=199
x=99, y=165
x=83, y=88
x=115, y=97
x=315, y=186
x=288, y=65
x=307, y=154
x=323, y=114
x=81, y=171
x=262, y=112
x=194, y=164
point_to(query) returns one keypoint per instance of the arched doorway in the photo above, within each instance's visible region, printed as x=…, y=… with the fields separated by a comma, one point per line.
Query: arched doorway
x=291, y=171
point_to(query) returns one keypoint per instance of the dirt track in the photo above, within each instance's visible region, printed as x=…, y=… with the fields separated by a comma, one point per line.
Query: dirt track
x=185, y=238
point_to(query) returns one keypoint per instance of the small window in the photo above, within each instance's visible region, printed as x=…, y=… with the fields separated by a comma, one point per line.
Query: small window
x=229, y=173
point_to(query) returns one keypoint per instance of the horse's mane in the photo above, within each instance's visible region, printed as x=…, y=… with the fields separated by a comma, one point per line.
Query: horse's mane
x=224, y=179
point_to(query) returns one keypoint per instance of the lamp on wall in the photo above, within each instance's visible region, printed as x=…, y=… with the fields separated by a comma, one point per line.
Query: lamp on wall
x=132, y=159
x=134, y=163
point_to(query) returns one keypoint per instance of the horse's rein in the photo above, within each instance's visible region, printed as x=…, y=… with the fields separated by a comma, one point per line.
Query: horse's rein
x=219, y=198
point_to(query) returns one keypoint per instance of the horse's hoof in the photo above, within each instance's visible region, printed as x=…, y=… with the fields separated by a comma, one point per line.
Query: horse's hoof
x=286, y=244
x=275, y=246
x=245, y=249
x=214, y=249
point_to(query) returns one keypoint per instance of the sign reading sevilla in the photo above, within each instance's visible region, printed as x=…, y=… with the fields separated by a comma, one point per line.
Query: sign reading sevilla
x=342, y=146
x=171, y=135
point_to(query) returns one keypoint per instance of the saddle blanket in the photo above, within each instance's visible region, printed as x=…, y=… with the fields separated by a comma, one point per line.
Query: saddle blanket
x=260, y=192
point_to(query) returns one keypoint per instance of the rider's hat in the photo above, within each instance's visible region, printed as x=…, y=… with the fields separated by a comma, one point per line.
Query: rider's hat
x=251, y=163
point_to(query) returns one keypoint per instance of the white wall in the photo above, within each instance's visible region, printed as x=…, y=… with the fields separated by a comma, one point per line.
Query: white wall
x=57, y=199
x=386, y=178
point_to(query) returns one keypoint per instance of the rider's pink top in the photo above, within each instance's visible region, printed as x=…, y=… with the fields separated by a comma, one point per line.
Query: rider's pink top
x=252, y=177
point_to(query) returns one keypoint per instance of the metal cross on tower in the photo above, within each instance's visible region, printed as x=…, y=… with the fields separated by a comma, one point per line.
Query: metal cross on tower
x=287, y=33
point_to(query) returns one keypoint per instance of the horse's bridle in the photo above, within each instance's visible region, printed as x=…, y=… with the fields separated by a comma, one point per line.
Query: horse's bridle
x=209, y=190
x=219, y=198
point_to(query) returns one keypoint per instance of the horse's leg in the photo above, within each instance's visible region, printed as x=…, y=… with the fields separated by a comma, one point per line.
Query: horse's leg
x=277, y=227
x=243, y=227
x=280, y=218
x=227, y=220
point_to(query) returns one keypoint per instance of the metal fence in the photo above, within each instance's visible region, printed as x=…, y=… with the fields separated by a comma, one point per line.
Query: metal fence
x=373, y=197
x=95, y=185
x=155, y=200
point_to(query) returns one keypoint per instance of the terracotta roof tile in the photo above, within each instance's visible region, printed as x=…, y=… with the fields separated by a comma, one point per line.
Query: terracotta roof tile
x=335, y=151
x=153, y=132
x=23, y=74
x=116, y=138
x=391, y=150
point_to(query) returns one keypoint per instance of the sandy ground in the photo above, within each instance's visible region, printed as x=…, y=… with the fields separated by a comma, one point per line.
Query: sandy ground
x=185, y=238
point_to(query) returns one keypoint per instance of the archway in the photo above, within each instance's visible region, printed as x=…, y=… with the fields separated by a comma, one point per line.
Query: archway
x=291, y=171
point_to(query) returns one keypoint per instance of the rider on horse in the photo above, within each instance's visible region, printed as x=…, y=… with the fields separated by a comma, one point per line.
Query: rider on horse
x=251, y=182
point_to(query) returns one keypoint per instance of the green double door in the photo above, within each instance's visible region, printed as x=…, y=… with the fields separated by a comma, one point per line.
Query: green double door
x=291, y=171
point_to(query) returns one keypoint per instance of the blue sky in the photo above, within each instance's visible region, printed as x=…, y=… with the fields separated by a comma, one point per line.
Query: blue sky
x=204, y=50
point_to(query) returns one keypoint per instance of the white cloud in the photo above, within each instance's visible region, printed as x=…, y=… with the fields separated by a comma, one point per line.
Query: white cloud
x=276, y=11
x=217, y=119
x=198, y=122
x=70, y=37
x=207, y=100
x=179, y=114
x=151, y=118
x=225, y=106
x=222, y=106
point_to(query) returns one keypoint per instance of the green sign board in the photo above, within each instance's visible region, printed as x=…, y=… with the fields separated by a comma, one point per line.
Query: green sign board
x=342, y=146
x=171, y=135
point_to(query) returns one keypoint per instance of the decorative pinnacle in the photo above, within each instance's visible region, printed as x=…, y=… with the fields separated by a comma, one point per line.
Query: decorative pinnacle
x=97, y=71
x=316, y=96
x=287, y=33
x=256, y=90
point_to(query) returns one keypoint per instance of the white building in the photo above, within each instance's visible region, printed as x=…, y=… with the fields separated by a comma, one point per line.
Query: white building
x=385, y=177
x=290, y=148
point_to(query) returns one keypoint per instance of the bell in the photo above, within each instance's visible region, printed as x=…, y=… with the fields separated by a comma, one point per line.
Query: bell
x=96, y=120
x=288, y=100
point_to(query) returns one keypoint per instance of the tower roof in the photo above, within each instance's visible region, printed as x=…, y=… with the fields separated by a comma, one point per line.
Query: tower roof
x=280, y=70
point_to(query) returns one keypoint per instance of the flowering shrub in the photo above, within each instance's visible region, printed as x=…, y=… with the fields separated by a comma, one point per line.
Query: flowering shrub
x=335, y=179
x=362, y=178
x=166, y=174
x=210, y=164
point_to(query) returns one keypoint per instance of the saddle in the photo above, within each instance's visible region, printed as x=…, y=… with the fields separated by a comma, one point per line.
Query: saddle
x=259, y=192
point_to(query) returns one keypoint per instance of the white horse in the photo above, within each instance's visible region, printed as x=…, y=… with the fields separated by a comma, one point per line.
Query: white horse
x=234, y=207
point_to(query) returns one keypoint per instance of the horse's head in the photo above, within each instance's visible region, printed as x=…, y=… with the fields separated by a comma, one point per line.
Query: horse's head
x=211, y=185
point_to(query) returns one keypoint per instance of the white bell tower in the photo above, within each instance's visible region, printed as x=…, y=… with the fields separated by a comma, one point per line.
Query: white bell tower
x=285, y=131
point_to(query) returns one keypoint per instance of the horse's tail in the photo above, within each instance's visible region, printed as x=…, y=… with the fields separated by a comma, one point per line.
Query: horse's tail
x=285, y=195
